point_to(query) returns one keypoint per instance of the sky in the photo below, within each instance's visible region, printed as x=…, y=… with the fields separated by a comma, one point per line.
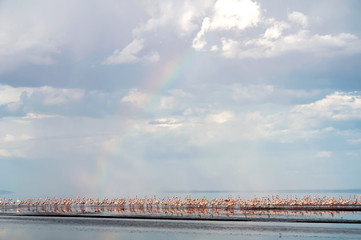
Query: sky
x=135, y=97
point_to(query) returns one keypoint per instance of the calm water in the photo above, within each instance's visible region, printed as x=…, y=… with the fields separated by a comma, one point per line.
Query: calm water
x=37, y=228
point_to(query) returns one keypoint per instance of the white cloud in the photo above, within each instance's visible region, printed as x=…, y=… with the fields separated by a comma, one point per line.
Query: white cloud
x=253, y=92
x=12, y=138
x=182, y=17
x=220, y=117
x=5, y=153
x=228, y=15
x=57, y=96
x=323, y=154
x=160, y=15
x=169, y=123
x=286, y=124
x=269, y=37
x=214, y=48
x=227, y=127
x=10, y=94
x=302, y=41
x=199, y=41
x=152, y=57
x=336, y=106
x=30, y=116
x=167, y=102
x=275, y=30
x=235, y=14
x=308, y=120
x=129, y=54
x=229, y=48
x=23, y=101
x=135, y=97
x=207, y=121
x=10, y=153
x=279, y=119
x=299, y=18
x=186, y=20
x=303, y=121
x=271, y=94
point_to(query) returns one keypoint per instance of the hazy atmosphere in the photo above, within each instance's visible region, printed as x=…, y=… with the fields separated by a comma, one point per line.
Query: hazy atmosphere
x=134, y=97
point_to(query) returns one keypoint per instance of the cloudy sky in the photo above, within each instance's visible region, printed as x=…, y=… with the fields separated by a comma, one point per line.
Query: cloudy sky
x=123, y=97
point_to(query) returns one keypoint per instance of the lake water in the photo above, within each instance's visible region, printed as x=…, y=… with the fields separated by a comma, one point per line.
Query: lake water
x=38, y=228
x=15, y=226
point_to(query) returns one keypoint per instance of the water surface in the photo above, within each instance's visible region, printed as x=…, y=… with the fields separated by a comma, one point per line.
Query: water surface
x=38, y=228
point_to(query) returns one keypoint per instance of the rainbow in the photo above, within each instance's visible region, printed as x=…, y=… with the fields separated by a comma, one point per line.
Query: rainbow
x=168, y=76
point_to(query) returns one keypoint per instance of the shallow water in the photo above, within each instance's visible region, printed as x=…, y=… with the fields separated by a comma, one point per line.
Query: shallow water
x=210, y=214
x=59, y=228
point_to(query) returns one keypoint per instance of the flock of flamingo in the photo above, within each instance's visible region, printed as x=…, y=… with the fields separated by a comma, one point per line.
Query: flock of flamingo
x=188, y=205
